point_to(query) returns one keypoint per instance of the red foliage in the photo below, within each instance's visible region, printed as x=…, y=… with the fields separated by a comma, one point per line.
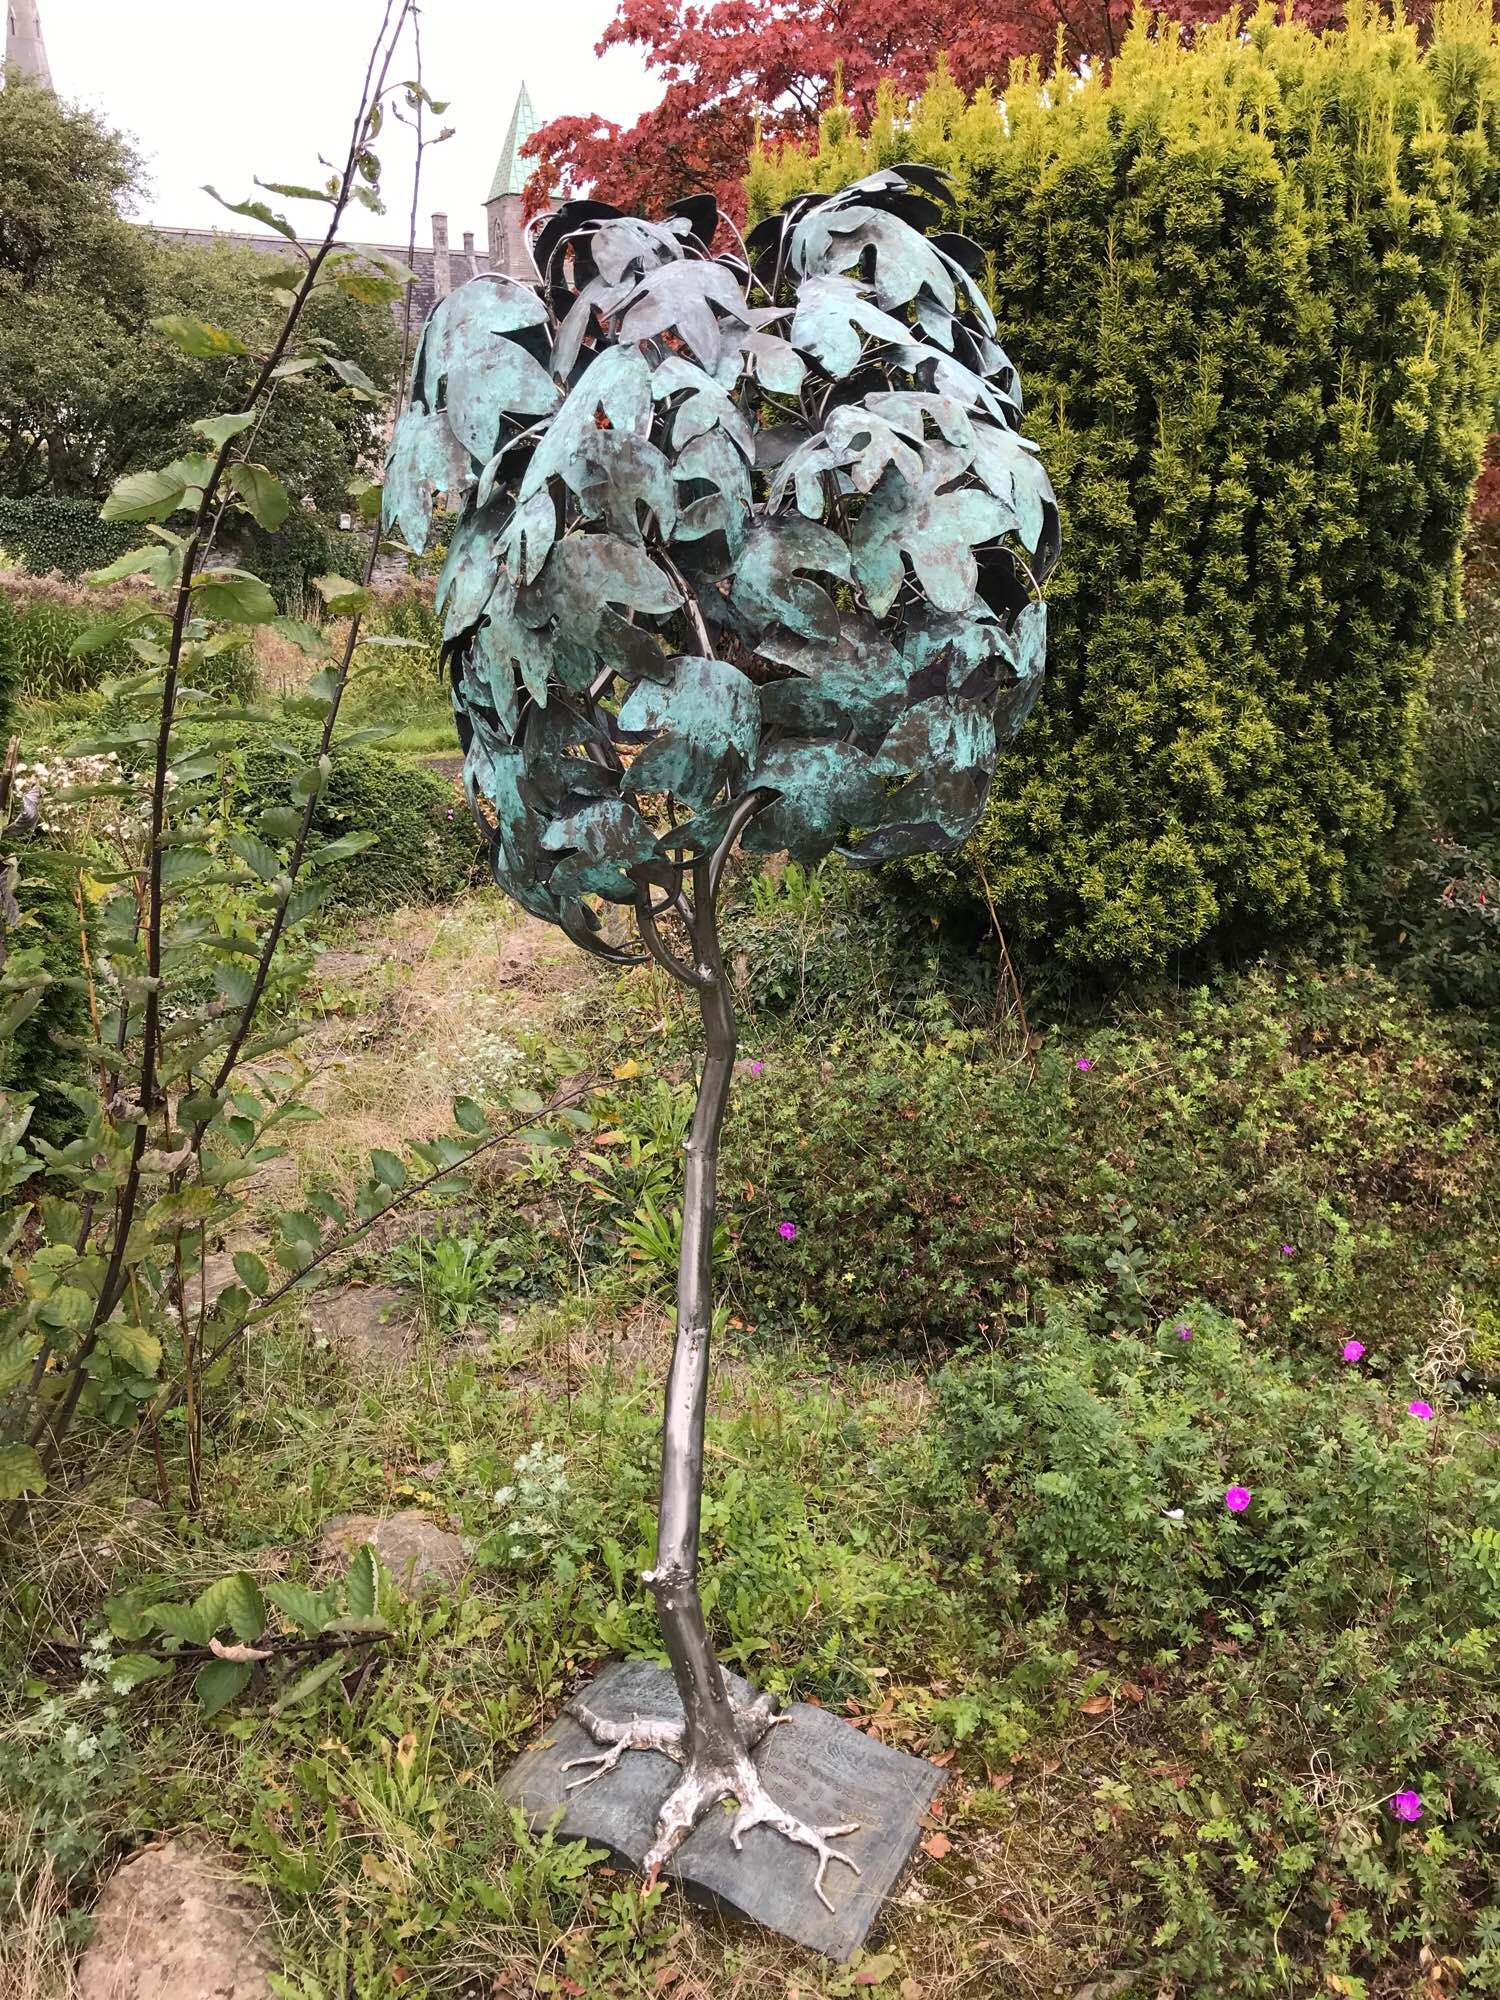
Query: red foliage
x=727, y=63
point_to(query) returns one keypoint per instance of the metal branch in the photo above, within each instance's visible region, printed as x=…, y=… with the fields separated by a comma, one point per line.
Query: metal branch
x=660, y=950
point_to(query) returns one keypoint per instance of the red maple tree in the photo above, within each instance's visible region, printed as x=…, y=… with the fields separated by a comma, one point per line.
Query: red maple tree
x=729, y=65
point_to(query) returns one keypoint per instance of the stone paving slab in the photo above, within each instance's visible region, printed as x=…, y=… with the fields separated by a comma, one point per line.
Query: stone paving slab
x=820, y=1768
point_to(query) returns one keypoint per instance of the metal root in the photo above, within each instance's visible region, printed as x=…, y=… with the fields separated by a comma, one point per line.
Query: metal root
x=642, y=1732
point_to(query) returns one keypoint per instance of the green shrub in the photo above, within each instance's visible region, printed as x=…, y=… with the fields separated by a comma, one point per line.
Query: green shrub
x=427, y=848
x=1438, y=902
x=820, y=945
x=47, y=533
x=303, y=547
x=937, y=1190
x=1331, y=1645
x=1245, y=285
x=401, y=683
x=34, y=1062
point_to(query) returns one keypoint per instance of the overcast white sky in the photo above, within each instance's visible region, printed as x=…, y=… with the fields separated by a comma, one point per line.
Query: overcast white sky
x=220, y=90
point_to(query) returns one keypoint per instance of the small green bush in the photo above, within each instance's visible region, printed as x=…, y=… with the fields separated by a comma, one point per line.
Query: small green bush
x=1108, y=1462
x=34, y=1062
x=1309, y=1153
x=427, y=848
x=1245, y=281
x=47, y=533
x=823, y=945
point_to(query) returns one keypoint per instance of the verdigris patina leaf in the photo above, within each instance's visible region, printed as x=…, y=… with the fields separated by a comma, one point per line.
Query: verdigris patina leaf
x=711, y=461
x=614, y=392
x=937, y=532
x=468, y=574
x=679, y=299
x=468, y=324
x=707, y=724
x=822, y=786
x=698, y=404
x=598, y=843
x=834, y=238
x=491, y=392
x=855, y=444
x=425, y=460
x=855, y=687
x=769, y=589
x=834, y=318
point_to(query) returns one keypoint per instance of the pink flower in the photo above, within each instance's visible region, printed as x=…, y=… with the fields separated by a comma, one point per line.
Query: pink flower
x=1417, y=1408
x=1183, y=1330
x=1237, y=1499
x=1288, y=1249
x=1353, y=1350
x=1085, y=1063
x=786, y=1231
x=1406, y=1805
x=756, y=1068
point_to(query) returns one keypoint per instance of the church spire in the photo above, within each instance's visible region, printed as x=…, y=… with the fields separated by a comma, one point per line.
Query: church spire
x=513, y=172
x=25, y=51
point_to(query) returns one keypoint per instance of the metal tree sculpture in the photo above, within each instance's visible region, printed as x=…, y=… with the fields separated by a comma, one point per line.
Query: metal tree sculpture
x=746, y=547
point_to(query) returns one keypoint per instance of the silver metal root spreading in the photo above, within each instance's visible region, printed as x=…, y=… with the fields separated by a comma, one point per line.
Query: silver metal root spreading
x=705, y=1781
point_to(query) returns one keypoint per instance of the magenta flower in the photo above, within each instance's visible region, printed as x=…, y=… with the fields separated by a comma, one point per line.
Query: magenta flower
x=1353, y=1350
x=1417, y=1408
x=1085, y=1063
x=1288, y=1249
x=1237, y=1499
x=1406, y=1805
x=1183, y=1330
x=756, y=1068
x=787, y=1231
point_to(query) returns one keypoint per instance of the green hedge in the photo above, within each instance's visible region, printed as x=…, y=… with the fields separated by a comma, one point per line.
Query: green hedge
x=32, y=1061
x=427, y=849
x=1244, y=283
x=45, y=533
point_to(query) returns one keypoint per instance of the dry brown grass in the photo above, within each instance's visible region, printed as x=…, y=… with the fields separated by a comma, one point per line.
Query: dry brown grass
x=410, y=1009
x=34, y=1961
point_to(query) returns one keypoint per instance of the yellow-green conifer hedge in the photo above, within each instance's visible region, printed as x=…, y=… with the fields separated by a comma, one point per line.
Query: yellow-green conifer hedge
x=1251, y=288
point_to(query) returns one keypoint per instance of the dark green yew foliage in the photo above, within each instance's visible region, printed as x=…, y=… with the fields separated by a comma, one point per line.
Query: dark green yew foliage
x=1246, y=284
x=770, y=525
